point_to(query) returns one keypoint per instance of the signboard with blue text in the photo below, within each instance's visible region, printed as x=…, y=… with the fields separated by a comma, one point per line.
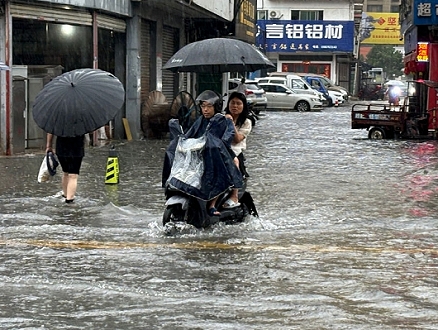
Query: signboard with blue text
x=286, y=36
x=425, y=12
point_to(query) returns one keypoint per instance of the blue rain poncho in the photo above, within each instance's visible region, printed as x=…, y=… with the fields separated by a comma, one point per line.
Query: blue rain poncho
x=200, y=162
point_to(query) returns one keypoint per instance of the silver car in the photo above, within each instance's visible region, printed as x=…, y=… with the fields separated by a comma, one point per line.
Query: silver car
x=281, y=97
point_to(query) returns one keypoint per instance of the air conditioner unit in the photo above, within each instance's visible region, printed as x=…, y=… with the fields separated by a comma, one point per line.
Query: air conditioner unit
x=274, y=14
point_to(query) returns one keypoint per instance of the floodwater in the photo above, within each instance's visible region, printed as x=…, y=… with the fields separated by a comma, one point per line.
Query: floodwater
x=346, y=239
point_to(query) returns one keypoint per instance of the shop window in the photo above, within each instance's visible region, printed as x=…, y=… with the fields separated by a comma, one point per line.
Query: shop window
x=307, y=15
x=71, y=46
x=42, y=43
x=394, y=8
x=375, y=8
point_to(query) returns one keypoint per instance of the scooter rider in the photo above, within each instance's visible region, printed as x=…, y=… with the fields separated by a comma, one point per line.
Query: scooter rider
x=220, y=172
x=393, y=93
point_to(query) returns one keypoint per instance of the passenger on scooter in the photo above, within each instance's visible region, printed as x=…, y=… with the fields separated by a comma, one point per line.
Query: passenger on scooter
x=220, y=172
x=237, y=110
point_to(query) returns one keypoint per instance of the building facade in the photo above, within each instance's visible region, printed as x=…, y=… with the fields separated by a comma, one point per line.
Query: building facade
x=132, y=39
x=311, y=36
x=381, y=6
x=419, y=27
x=380, y=25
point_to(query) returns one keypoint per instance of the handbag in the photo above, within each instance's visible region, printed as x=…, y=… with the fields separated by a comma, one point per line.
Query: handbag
x=52, y=163
x=48, y=167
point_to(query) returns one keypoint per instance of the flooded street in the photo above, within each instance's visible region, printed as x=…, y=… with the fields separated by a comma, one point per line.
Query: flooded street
x=346, y=239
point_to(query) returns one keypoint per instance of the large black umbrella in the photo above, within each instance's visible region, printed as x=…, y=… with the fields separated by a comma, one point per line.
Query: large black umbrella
x=218, y=55
x=78, y=102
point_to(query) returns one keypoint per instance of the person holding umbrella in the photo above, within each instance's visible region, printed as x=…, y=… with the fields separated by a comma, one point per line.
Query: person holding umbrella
x=70, y=152
x=70, y=106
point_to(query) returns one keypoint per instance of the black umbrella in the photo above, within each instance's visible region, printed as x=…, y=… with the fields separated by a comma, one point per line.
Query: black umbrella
x=78, y=102
x=218, y=55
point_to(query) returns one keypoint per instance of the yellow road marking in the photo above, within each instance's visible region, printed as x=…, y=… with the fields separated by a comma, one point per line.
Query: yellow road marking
x=205, y=245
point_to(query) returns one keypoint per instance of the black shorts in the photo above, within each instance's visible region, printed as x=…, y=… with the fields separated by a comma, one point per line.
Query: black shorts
x=70, y=164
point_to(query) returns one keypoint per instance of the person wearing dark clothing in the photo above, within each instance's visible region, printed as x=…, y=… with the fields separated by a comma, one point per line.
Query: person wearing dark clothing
x=220, y=173
x=70, y=152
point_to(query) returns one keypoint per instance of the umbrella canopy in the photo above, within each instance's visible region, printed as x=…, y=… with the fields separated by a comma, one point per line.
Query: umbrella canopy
x=78, y=102
x=394, y=83
x=218, y=55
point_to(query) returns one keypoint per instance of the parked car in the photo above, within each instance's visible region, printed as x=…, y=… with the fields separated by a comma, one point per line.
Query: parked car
x=330, y=85
x=295, y=83
x=336, y=98
x=254, y=94
x=333, y=97
x=281, y=97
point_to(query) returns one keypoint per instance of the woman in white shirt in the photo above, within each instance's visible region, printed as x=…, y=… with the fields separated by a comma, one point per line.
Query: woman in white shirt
x=237, y=110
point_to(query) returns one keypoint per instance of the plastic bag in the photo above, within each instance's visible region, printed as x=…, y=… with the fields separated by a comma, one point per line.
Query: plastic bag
x=43, y=174
x=188, y=165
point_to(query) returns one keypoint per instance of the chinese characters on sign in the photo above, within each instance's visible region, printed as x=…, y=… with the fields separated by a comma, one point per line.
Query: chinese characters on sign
x=245, y=27
x=297, y=31
x=316, y=36
x=380, y=28
x=422, y=52
x=425, y=12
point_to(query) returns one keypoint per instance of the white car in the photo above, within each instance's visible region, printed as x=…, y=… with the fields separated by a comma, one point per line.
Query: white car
x=281, y=97
x=337, y=97
x=295, y=83
x=254, y=94
x=328, y=84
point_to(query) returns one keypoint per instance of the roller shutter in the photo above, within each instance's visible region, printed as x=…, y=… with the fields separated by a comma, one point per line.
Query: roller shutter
x=111, y=23
x=170, y=36
x=51, y=14
x=67, y=16
x=145, y=39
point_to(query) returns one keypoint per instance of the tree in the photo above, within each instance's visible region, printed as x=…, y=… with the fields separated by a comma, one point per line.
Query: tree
x=386, y=57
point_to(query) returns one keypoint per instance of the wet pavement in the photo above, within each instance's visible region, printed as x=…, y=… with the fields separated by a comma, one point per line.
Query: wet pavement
x=346, y=239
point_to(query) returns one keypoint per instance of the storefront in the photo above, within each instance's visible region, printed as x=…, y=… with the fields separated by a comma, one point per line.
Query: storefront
x=47, y=40
x=323, y=47
x=131, y=39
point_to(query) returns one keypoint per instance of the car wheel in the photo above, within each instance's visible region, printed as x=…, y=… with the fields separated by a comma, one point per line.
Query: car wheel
x=302, y=106
x=376, y=133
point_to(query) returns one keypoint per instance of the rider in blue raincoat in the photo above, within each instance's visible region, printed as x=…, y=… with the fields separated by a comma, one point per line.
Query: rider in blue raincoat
x=214, y=135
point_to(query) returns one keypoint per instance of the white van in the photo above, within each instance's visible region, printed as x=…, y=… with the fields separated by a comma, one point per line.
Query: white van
x=294, y=82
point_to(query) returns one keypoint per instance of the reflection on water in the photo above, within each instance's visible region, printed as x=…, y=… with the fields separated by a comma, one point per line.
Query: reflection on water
x=346, y=239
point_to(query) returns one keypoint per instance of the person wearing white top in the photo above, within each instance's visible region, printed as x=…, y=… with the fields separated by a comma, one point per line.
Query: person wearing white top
x=237, y=110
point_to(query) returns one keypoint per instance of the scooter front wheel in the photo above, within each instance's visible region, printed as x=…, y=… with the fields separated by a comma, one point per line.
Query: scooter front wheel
x=172, y=213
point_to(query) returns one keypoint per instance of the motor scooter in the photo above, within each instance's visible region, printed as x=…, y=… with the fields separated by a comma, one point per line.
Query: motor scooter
x=183, y=207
